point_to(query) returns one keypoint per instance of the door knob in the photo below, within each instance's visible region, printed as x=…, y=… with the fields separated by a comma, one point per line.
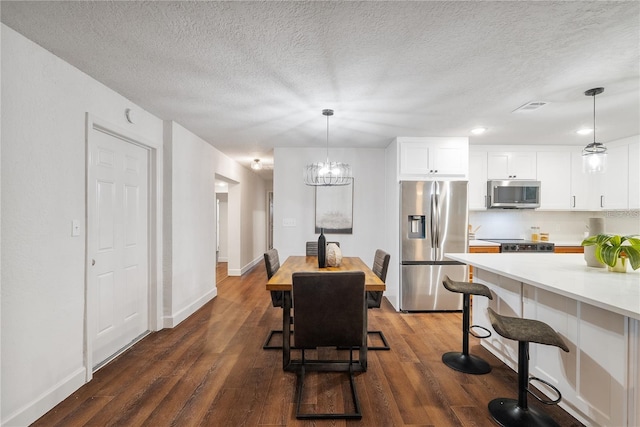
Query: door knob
x=93, y=262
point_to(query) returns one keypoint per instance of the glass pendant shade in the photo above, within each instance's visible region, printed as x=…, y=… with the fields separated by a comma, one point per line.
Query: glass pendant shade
x=327, y=173
x=594, y=158
x=594, y=155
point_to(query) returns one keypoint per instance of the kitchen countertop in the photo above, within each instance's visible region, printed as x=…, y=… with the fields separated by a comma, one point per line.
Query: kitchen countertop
x=565, y=274
x=482, y=243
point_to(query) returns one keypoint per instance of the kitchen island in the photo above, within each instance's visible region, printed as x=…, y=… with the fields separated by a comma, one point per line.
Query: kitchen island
x=597, y=313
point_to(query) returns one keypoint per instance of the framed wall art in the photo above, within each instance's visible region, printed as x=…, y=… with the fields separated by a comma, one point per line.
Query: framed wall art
x=334, y=209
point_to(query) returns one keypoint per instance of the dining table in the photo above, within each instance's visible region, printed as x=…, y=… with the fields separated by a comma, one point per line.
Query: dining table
x=282, y=280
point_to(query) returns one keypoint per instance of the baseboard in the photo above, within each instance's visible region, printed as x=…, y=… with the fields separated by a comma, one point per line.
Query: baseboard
x=175, y=319
x=47, y=400
x=240, y=272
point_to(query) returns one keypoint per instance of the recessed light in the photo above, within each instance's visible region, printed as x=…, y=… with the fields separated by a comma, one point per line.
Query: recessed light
x=478, y=131
x=585, y=131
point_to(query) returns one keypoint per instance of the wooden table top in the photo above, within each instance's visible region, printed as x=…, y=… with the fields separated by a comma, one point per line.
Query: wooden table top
x=282, y=280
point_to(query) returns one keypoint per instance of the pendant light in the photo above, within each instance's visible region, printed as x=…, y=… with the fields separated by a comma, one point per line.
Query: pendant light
x=327, y=173
x=594, y=155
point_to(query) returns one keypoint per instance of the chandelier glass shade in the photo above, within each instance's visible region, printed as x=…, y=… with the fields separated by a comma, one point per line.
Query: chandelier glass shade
x=594, y=155
x=327, y=173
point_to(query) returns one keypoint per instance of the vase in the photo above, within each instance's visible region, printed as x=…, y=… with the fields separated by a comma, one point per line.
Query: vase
x=334, y=255
x=322, y=250
x=596, y=226
x=620, y=267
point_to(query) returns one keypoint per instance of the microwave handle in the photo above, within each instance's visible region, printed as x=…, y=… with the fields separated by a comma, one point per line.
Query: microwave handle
x=487, y=201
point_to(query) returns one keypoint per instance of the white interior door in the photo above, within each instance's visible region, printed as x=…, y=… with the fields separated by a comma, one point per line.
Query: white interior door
x=118, y=273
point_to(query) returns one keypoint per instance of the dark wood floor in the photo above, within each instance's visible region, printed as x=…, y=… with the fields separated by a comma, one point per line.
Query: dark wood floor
x=211, y=371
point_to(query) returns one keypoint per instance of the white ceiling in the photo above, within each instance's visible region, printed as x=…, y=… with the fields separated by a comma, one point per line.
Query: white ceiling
x=251, y=76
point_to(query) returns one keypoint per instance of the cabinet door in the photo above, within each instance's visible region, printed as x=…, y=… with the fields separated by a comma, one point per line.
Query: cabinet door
x=522, y=165
x=554, y=174
x=585, y=188
x=616, y=178
x=414, y=158
x=449, y=157
x=634, y=175
x=498, y=166
x=478, y=180
x=511, y=165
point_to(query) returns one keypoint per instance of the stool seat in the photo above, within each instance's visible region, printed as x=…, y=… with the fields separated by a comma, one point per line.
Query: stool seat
x=529, y=330
x=467, y=288
x=463, y=361
x=517, y=413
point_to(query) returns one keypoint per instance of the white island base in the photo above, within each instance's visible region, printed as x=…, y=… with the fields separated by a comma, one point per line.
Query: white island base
x=596, y=312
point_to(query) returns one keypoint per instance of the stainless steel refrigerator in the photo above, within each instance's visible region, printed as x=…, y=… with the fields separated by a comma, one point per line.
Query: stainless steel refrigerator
x=434, y=220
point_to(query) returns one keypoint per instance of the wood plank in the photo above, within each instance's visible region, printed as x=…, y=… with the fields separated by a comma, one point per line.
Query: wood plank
x=211, y=370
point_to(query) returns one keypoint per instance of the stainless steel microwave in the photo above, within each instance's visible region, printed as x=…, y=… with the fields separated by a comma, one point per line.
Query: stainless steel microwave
x=513, y=194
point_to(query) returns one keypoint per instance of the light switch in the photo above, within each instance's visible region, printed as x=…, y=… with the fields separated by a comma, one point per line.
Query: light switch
x=75, y=228
x=288, y=222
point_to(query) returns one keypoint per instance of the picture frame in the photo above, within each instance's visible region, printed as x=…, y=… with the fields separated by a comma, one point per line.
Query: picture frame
x=334, y=209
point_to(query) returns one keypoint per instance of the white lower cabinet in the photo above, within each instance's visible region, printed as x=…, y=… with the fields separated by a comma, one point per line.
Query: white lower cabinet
x=598, y=376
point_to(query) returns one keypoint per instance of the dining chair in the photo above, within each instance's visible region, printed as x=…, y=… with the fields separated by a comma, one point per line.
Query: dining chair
x=374, y=298
x=330, y=312
x=312, y=248
x=272, y=263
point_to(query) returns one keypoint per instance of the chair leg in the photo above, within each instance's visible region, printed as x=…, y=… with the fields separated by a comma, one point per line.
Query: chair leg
x=266, y=345
x=516, y=413
x=463, y=361
x=385, y=345
x=356, y=414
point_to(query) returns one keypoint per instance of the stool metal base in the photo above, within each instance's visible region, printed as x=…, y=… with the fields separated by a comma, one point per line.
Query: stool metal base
x=467, y=363
x=507, y=413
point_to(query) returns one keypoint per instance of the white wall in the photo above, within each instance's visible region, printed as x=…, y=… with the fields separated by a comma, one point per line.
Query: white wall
x=45, y=102
x=190, y=239
x=294, y=200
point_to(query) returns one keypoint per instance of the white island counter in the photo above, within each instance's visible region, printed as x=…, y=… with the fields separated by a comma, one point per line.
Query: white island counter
x=597, y=313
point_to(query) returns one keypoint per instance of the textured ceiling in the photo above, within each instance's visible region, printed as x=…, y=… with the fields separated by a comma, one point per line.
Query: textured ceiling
x=250, y=76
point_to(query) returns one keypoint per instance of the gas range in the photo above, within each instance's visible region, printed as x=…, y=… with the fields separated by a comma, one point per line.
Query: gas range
x=521, y=245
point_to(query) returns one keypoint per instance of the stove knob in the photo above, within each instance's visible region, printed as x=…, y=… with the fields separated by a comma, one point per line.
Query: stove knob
x=513, y=247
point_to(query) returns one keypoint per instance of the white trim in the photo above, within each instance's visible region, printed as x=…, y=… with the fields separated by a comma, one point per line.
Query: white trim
x=154, y=232
x=47, y=400
x=236, y=272
x=175, y=319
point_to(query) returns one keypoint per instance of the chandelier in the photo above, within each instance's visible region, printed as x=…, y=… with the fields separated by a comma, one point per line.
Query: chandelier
x=594, y=155
x=327, y=173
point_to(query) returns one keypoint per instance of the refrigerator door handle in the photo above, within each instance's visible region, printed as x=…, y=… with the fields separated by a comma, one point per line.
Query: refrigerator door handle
x=432, y=226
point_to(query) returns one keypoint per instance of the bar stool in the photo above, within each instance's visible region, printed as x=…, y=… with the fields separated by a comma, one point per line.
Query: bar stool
x=463, y=361
x=511, y=412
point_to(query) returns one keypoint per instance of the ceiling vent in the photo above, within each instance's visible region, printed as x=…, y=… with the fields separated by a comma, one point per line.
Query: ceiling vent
x=530, y=106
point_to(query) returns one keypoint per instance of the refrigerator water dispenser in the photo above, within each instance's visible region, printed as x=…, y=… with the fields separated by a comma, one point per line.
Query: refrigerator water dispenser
x=416, y=227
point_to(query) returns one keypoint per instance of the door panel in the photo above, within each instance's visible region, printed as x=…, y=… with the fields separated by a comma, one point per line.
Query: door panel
x=118, y=243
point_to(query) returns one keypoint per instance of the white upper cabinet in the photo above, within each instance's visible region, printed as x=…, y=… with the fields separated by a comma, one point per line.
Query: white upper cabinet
x=477, y=180
x=554, y=174
x=434, y=157
x=615, y=194
x=586, y=194
x=634, y=175
x=511, y=165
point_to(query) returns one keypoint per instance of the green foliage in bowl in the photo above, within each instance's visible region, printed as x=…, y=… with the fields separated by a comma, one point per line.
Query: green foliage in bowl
x=610, y=247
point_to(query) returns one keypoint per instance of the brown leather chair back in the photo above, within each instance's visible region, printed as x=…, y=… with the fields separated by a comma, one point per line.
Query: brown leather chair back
x=272, y=263
x=380, y=267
